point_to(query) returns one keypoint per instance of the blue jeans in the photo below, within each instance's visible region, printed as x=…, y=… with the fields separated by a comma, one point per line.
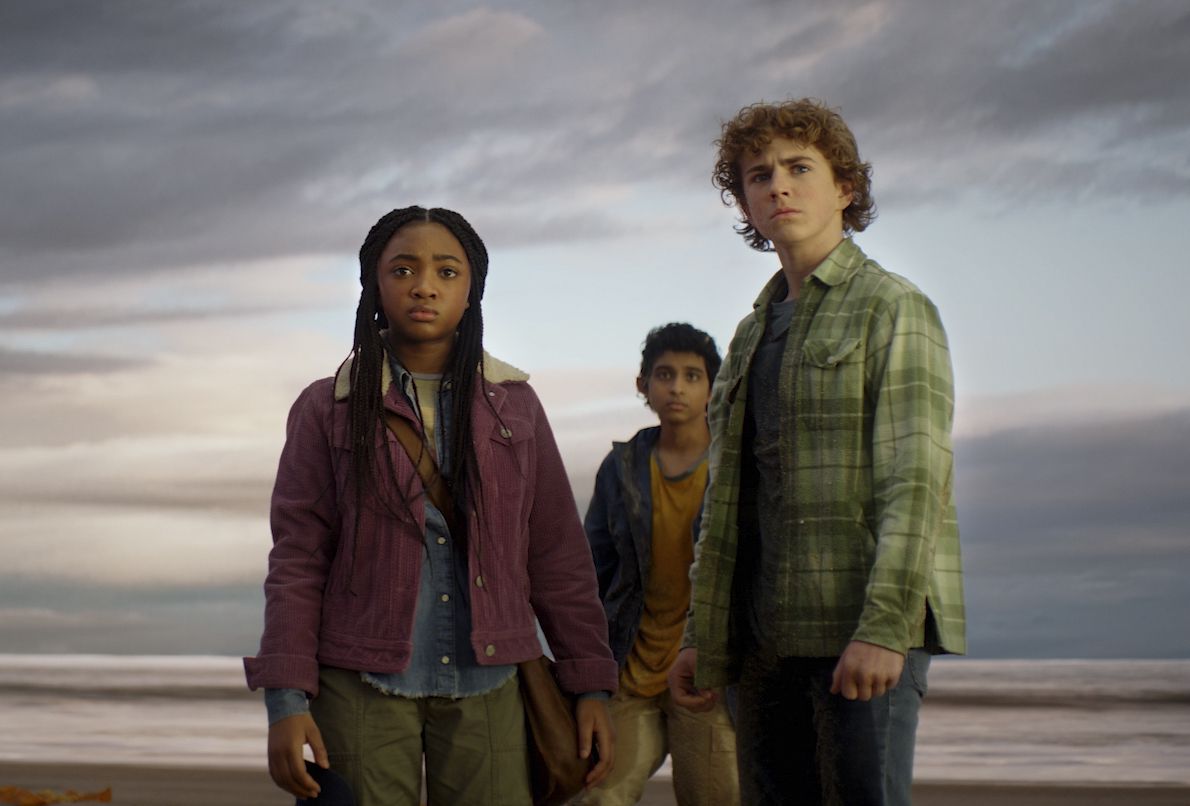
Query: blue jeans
x=799, y=744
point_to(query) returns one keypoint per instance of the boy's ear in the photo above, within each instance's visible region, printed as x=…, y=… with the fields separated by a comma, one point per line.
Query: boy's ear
x=642, y=386
x=846, y=195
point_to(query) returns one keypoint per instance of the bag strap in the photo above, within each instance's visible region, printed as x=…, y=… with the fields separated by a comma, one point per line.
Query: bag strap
x=423, y=460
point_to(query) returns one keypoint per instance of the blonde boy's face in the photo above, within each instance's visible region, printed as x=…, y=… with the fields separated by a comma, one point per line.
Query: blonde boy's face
x=677, y=387
x=791, y=197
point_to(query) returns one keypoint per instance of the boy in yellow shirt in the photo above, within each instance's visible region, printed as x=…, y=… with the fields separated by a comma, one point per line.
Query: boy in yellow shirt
x=642, y=524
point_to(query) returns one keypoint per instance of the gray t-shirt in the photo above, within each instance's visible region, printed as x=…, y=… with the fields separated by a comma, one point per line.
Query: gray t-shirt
x=764, y=407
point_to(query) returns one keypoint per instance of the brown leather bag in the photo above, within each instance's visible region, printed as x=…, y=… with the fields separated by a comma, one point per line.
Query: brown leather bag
x=556, y=772
x=555, y=769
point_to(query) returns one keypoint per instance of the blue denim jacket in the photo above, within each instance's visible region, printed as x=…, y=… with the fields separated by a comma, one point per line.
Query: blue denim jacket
x=619, y=527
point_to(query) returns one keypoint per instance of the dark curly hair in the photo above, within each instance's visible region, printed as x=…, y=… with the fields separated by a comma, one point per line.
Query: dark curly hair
x=808, y=121
x=679, y=337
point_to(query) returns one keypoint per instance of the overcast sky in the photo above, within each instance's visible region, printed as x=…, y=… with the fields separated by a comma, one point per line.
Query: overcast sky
x=185, y=186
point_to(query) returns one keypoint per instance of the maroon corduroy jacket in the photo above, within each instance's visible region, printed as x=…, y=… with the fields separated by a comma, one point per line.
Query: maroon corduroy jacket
x=341, y=599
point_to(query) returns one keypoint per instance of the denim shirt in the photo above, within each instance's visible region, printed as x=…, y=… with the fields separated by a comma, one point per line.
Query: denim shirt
x=443, y=662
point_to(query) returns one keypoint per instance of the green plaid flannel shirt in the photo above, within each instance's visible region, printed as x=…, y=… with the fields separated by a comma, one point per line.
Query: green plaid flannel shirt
x=866, y=455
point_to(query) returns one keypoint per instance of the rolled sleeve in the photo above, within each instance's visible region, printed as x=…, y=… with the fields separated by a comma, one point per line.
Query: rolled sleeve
x=282, y=703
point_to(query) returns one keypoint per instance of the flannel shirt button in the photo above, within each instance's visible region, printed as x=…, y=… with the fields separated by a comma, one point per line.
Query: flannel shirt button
x=446, y=660
x=446, y=597
x=441, y=541
x=489, y=650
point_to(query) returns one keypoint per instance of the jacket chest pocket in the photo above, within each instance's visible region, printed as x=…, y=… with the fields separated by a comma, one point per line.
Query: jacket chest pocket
x=832, y=381
x=507, y=465
x=510, y=448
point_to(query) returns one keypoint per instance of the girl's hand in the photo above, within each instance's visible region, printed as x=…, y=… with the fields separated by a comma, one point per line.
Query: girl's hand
x=286, y=765
x=595, y=729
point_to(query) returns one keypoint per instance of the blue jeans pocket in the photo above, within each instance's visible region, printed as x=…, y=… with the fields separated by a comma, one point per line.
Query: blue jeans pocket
x=917, y=667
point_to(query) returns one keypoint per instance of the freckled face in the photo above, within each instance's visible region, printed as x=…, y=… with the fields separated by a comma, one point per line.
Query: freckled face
x=424, y=281
x=791, y=196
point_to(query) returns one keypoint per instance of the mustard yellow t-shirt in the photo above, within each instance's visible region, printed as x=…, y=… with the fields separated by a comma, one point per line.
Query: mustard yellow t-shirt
x=667, y=592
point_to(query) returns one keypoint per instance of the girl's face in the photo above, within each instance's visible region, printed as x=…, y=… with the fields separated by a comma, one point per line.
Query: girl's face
x=424, y=280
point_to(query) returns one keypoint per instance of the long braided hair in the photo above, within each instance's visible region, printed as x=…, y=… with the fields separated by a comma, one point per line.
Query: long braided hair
x=464, y=366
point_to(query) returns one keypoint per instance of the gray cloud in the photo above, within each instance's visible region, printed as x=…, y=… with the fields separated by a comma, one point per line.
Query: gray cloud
x=28, y=362
x=67, y=319
x=138, y=135
x=247, y=495
x=1075, y=539
x=1127, y=474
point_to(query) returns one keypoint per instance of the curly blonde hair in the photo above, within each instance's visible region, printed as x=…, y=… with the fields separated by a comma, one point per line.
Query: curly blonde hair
x=808, y=121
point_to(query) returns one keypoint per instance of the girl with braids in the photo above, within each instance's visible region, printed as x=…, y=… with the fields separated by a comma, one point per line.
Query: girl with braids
x=393, y=628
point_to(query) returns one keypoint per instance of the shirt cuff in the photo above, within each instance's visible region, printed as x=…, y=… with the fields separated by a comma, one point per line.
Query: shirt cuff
x=282, y=703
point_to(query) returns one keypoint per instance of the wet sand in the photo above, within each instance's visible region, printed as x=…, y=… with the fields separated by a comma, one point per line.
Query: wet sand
x=173, y=786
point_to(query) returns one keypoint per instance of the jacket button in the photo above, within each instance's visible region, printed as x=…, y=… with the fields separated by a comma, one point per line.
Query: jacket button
x=479, y=582
x=504, y=432
x=489, y=650
x=491, y=394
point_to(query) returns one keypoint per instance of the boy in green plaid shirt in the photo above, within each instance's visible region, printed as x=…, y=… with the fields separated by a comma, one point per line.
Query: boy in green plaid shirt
x=828, y=568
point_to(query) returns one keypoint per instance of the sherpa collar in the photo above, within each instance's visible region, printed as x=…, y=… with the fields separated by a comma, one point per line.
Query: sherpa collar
x=494, y=371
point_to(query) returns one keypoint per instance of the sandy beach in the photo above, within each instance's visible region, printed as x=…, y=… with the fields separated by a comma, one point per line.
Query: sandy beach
x=175, y=786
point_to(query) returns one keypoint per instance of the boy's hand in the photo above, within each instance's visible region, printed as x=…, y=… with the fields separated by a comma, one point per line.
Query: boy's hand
x=286, y=765
x=595, y=723
x=866, y=670
x=681, y=683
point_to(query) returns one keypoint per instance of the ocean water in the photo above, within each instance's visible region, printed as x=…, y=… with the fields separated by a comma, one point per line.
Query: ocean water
x=1119, y=721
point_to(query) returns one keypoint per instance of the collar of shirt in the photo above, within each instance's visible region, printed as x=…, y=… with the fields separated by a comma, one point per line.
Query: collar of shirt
x=837, y=268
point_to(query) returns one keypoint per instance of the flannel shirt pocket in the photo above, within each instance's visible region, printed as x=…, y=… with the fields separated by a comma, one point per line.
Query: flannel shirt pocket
x=832, y=397
x=830, y=353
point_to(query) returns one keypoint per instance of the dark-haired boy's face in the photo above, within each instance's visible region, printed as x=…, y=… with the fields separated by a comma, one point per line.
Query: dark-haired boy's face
x=677, y=387
x=791, y=196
